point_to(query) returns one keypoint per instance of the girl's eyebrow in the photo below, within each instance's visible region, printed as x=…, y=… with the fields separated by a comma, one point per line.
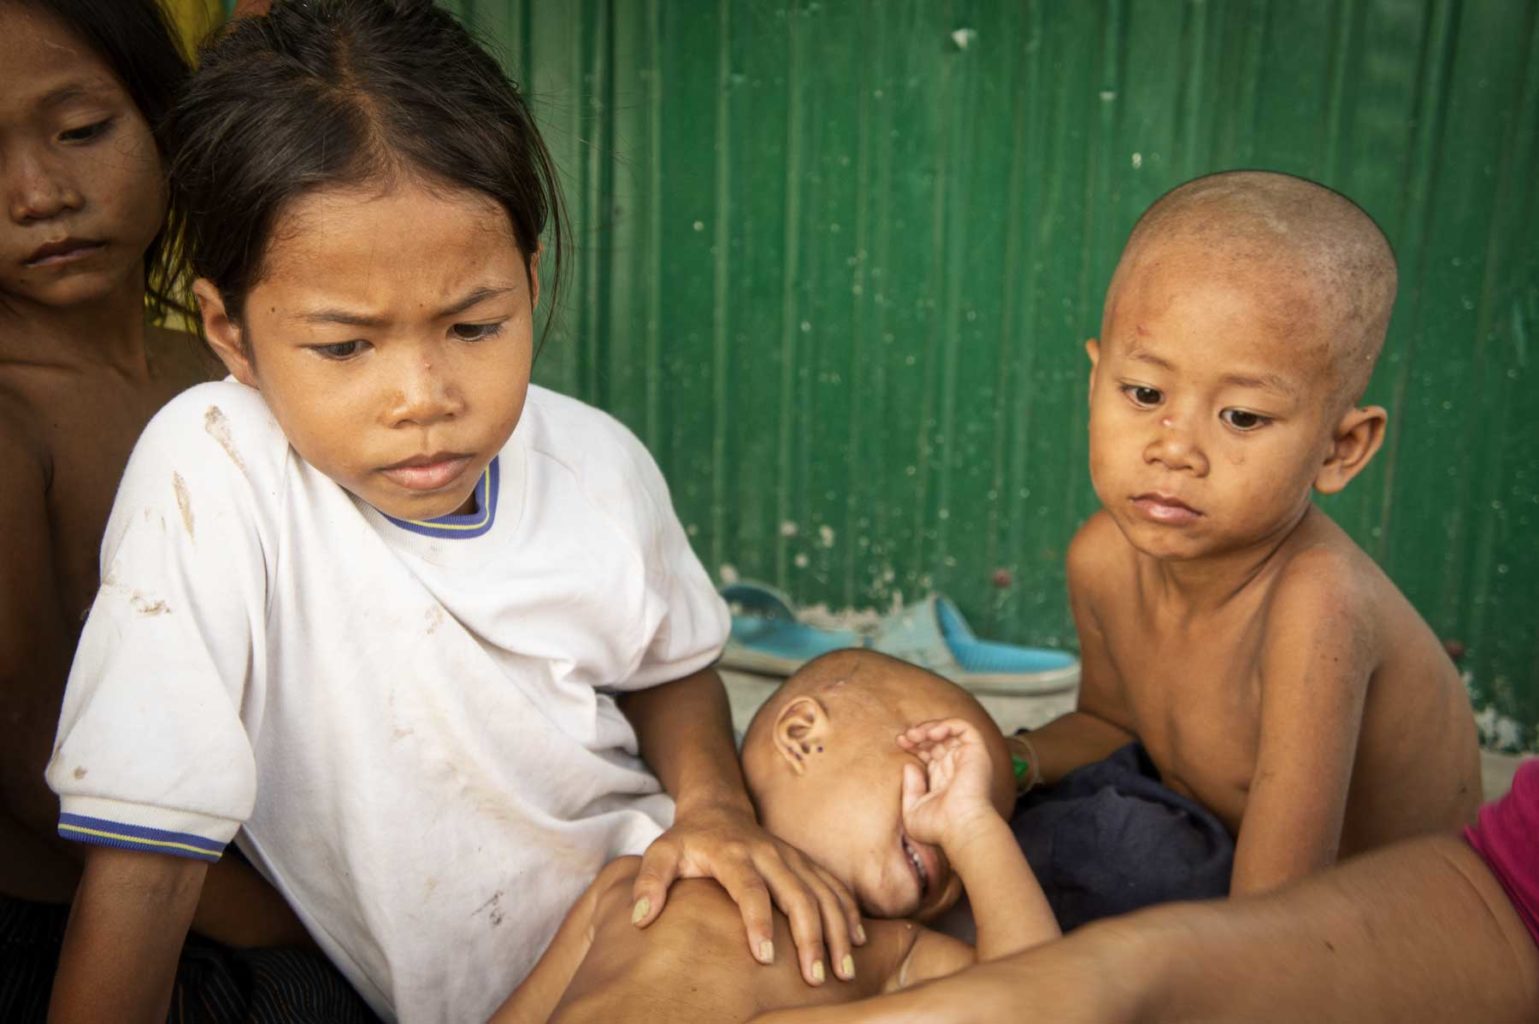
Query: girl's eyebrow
x=71, y=91
x=342, y=316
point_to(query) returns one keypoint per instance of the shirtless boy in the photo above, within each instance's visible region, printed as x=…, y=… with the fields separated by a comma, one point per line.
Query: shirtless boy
x=1272, y=671
x=904, y=823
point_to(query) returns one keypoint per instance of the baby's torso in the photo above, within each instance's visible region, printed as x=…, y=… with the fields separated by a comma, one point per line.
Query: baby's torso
x=1192, y=692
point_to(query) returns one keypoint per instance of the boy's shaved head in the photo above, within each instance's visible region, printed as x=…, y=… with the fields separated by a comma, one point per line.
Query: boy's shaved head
x=1291, y=230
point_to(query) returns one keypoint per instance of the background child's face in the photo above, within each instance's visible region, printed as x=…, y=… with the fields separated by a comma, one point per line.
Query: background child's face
x=82, y=182
x=391, y=335
x=1211, y=404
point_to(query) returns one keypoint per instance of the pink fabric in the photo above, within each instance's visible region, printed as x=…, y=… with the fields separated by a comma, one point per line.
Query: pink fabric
x=1507, y=839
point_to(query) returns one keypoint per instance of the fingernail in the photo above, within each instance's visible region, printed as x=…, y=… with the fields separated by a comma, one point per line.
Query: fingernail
x=860, y=933
x=767, y=952
x=640, y=910
x=848, y=963
x=817, y=972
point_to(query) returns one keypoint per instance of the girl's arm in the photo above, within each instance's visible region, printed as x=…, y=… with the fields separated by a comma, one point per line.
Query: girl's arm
x=125, y=935
x=685, y=731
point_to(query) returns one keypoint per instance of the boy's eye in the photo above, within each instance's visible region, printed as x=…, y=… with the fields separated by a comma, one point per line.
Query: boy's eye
x=85, y=132
x=1241, y=420
x=338, y=350
x=1143, y=396
x=476, y=332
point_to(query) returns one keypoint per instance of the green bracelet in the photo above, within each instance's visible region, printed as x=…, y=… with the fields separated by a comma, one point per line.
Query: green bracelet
x=1021, y=766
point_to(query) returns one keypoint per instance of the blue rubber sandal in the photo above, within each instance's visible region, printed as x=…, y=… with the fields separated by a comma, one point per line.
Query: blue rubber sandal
x=933, y=635
x=768, y=638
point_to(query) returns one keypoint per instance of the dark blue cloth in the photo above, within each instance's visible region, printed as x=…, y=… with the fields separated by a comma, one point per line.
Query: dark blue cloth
x=215, y=984
x=1109, y=838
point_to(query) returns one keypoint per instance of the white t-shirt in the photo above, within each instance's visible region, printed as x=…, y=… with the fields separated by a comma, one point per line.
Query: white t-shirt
x=409, y=724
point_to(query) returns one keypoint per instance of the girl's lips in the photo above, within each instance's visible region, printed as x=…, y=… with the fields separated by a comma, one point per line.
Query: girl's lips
x=1160, y=509
x=428, y=476
x=67, y=251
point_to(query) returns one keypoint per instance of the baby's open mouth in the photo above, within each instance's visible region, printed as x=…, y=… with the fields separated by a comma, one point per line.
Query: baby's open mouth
x=919, y=870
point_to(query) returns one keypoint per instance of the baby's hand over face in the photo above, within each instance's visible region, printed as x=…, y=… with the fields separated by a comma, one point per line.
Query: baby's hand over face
x=949, y=796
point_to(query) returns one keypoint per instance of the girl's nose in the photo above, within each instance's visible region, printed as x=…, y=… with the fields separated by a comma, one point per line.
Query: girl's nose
x=426, y=395
x=39, y=192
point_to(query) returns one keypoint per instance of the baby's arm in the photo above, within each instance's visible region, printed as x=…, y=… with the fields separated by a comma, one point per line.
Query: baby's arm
x=125, y=934
x=1317, y=655
x=1093, y=731
x=536, y=998
x=948, y=804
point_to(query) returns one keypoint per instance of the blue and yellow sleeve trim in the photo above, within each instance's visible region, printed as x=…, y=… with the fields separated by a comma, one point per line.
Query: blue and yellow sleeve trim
x=137, y=837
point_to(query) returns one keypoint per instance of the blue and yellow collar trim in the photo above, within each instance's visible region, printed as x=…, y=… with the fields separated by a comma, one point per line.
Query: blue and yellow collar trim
x=461, y=527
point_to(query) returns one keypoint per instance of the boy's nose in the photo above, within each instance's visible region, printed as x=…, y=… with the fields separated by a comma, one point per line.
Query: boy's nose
x=1176, y=449
x=37, y=192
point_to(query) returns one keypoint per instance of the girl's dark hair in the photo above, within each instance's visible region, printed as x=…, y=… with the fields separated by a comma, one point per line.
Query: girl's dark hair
x=135, y=41
x=323, y=93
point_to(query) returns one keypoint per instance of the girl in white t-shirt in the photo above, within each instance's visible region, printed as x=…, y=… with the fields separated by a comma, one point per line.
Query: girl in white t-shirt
x=401, y=624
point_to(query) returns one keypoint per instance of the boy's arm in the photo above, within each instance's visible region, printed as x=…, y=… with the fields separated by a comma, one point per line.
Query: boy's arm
x=1091, y=732
x=125, y=934
x=1317, y=654
x=536, y=998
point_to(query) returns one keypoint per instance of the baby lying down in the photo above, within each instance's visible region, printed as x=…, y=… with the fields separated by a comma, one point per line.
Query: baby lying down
x=894, y=780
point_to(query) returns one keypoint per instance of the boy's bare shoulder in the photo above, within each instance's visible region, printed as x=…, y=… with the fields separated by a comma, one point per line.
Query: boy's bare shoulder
x=1097, y=547
x=1326, y=578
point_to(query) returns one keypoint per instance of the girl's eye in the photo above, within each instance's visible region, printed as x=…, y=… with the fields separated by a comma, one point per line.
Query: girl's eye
x=85, y=132
x=477, y=332
x=1142, y=396
x=1243, y=421
x=339, y=350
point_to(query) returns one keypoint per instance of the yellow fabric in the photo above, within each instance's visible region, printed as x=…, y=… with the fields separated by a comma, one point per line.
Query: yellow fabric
x=194, y=19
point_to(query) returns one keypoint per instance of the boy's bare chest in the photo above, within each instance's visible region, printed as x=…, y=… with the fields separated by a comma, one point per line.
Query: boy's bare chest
x=1194, y=696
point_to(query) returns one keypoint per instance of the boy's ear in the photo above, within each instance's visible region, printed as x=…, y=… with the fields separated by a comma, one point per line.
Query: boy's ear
x=223, y=333
x=1093, y=350
x=801, y=729
x=1357, y=437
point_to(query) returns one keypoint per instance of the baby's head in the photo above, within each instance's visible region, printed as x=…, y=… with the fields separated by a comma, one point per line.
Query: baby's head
x=1239, y=332
x=84, y=87
x=362, y=195
x=824, y=768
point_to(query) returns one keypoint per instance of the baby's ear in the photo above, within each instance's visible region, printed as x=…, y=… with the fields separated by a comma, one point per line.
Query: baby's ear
x=223, y=333
x=1093, y=350
x=1357, y=438
x=801, y=730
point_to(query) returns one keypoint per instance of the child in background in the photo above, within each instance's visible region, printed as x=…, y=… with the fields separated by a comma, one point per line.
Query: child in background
x=1271, y=670
x=83, y=88
x=905, y=824
x=407, y=627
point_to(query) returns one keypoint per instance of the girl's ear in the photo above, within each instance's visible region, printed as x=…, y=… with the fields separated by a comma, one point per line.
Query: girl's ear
x=534, y=279
x=801, y=730
x=1357, y=437
x=223, y=333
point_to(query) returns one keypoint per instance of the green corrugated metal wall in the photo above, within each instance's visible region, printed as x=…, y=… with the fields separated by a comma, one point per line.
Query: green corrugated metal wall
x=836, y=261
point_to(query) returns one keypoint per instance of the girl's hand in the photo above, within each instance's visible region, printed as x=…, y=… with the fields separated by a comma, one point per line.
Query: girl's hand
x=942, y=800
x=727, y=844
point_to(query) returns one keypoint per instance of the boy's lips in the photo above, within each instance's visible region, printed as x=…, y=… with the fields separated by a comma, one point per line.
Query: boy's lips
x=427, y=472
x=66, y=251
x=1163, y=508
